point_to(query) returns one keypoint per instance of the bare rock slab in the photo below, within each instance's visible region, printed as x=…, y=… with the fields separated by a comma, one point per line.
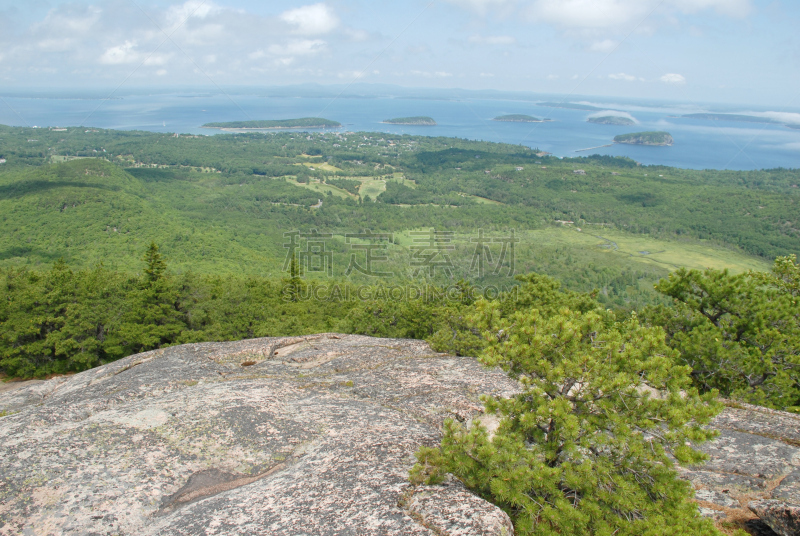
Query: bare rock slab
x=782, y=518
x=789, y=489
x=314, y=435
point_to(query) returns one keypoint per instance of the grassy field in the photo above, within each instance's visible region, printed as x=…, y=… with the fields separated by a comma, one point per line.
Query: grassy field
x=323, y=189
x=483, y=200
x=399, y=177
x=322, y=166
x=622, y=248
x=56, y=159
x=372, y=188
x=649, y=251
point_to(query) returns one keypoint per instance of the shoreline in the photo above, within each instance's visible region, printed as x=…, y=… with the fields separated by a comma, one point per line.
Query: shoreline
x=411, y=124
x=238, y=129
x=517, y=121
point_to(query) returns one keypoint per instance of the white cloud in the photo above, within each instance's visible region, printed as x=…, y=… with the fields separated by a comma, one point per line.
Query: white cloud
x=192, y=8
x=57, y=45
x=552, y=77
x=311, y=20
x=120, y=54
x=357, y=35
x=352, y=75
x=68, y=19
x=492, y=40
x=588, y=13
x=598, y=14
x=482, y=75
x=156, y=59
x=437, y=74
x=622, y=76
x=731, y=8
x=127, y=53
x=614, y=113
x=784, y=117
x=482, y=6
x=673, y=78
x=607, y=45
x=298, y=47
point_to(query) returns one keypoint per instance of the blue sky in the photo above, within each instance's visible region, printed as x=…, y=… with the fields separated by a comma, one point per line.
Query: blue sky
x=742, y=51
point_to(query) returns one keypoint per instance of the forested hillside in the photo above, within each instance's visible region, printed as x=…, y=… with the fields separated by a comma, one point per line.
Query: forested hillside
x=221, y=204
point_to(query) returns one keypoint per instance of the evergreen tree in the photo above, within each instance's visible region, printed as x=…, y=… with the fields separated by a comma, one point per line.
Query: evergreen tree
x=294, y=284
x=587, y=447
x=740, y=334
x=156, y=266
x=153, y=318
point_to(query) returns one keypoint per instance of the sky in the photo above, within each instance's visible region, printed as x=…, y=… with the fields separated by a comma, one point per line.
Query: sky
x=736, y=51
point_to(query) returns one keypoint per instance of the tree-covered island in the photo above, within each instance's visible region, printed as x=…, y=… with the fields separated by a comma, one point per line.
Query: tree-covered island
x=611, y=120
x=303, y=122
x=416, y=120
x=519, y=118
x=661, y=139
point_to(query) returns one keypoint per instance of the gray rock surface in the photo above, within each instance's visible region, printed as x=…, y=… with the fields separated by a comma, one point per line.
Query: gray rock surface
x=789, y=489
x=314, y=435
x=755, y=458
x=780, y=517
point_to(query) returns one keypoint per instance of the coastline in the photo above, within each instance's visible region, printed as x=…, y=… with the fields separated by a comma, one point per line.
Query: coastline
x=245, y=129
x=645, y=144
x=410, y=124
x=518, y=121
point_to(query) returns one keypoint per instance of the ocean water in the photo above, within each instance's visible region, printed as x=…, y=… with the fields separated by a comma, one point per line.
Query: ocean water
x=699, y=144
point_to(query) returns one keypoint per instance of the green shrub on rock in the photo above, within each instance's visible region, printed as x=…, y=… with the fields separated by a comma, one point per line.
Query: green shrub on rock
x=587, y=446
x=739, y=333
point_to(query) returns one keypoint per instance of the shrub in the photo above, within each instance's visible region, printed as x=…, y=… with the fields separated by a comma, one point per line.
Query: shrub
x=587, y=446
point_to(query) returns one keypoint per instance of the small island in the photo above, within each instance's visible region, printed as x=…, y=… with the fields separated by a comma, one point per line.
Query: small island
x=733, y=117
x=419, y=120
x=660, y=139
x=519, y=118
x=611, y=120
x=303, y=122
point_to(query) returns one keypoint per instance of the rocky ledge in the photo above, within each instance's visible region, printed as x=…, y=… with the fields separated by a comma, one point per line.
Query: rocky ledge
x=307, y=435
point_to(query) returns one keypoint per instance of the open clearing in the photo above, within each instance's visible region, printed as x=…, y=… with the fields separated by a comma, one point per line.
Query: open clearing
x=372, y=188
x=321, y=166
x=667, y=254
x=320, y=188
x=59, y=159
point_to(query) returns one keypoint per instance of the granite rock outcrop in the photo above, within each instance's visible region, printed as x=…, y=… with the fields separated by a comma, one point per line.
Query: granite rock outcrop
x=299, y=435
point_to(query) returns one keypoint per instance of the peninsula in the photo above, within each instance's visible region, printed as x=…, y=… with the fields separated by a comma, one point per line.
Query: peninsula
x=519, y=118
x=611, y=120
x=571, y=106
x=303, y=122
x=416, y=120
x=742, y=118
x=661, y=139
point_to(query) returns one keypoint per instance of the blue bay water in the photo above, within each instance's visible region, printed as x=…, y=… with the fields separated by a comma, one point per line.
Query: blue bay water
x=699, y=144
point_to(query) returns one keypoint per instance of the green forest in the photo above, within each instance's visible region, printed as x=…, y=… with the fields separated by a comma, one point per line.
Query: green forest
x=115, y=243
